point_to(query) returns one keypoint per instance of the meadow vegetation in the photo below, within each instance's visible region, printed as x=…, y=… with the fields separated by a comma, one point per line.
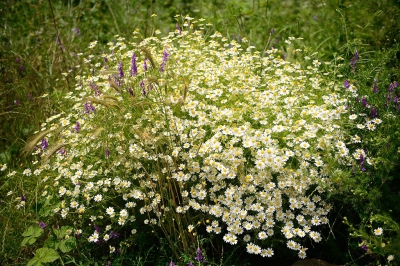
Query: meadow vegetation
x=173, y=133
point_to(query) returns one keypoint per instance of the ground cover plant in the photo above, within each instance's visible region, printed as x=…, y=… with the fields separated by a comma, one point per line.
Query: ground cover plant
x=178, y=148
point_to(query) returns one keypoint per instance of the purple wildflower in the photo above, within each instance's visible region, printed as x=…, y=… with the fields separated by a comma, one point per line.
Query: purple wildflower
x=315, y=17
x=18, y=60
x=199, y=256
x=362, y=165
x=364, y=101
x=145, y=64
x=97, y=228
x=114, y=235
x=133, y=65
x=107, y=152
x=391, y=87
x=171, y=263
x=105, y=59
x=364, y=247
x=272, y=31
x=389, y=97
x=164, y=61
x=354, y=60
x=374, y=112
x=130, y=91
x=77, y=127
x=23, y=198
x=190, y=264
x=94, y=87
x=16, y=102
x=62, y=151
x=179, y=29
x=76, y=30
x=346, y=83
x=89, y=108
x=42, y=225
x=375, y=87
x=44, y=144
x=121, y=71
x=142, y=86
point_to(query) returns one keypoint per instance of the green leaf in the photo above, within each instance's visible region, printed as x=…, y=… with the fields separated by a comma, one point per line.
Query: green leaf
x=38, y=231
x=67, y=245
x=44, y=255
x=29, y=231
x=57, y=233
x=25, y=241
x=64, y=230
x=33, y=261
x=31, y=240
x=51, y=242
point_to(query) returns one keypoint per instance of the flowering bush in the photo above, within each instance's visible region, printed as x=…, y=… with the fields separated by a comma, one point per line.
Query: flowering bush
x=191, y=131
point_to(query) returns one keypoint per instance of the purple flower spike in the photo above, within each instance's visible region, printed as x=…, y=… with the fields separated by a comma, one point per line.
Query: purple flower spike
x=97, y=228
x=354, y=60
x=179, y=29
x=114, y=235
x=76, y=31
x=375, y=87
x=77, y=127
x=89, y=108
x=364, y=101
x=164, y=62
x=42, y=225
x=142, y=86
x=362, y=165
x=62, y=151
x=133, y=65
x=121, y=71
x=171, y=263
x=364, y=247
x=44, y=144
x=374, y=112
x=190, y=264
x=107, y=152
x=145, y=64
x=346, y=83
x=199, y=256
x=95, y=88
x=131, y=91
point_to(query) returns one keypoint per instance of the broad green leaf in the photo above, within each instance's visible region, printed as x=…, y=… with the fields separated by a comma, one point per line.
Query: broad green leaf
x=29, y=231
x=31, y=240
x=67, y=245
x=33, y=262
x=57, y=233
x=51, y=242
x=64, y=230
x=46, y=255
x=37, y=231
x=25, y=241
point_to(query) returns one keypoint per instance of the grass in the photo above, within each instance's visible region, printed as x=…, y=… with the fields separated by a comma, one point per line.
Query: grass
x=40, y=43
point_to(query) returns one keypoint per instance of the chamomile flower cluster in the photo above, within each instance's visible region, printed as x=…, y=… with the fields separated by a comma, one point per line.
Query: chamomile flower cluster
x=196, y=125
